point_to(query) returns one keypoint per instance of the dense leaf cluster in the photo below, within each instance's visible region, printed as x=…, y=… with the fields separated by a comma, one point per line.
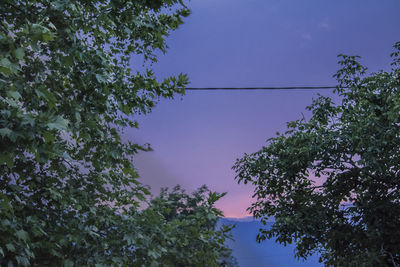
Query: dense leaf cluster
x=187, y=233
x=68, y=189
x=332, y=182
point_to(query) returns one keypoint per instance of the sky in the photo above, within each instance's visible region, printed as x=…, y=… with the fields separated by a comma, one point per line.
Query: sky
x=197, y=138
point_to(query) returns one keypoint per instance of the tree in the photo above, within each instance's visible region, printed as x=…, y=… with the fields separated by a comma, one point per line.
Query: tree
x=68, y=189
x=183, y=230
x=332, y=181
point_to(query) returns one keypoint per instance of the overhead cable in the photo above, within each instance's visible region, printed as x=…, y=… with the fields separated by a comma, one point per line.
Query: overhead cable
x=260, y=88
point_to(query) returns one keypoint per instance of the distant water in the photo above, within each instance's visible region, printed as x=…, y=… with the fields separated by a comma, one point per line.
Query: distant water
x=250, y=253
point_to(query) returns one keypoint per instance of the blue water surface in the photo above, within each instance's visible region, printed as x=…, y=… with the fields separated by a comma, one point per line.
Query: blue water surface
x=250, y=253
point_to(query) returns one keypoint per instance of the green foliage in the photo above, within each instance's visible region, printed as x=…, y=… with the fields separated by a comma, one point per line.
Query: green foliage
x=332, y=181
x=181, y=230
x=68, y=190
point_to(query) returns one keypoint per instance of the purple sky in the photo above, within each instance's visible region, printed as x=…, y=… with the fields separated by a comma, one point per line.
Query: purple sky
x=197, y=139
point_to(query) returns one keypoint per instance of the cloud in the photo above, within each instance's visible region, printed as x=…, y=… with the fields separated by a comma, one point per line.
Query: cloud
x=325, y=25
x=306, y=36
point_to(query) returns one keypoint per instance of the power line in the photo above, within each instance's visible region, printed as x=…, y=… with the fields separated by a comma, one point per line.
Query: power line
x=260, y=88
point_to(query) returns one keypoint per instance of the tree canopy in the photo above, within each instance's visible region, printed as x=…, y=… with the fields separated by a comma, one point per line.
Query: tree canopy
x=186, y=232
x=332, y=182
x=68, y=189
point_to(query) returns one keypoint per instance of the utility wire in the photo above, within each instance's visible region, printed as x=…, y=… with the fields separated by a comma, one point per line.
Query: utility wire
x=260, y=88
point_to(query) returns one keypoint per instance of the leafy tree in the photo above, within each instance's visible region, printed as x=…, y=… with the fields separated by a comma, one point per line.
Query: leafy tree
x=68, y=189
x=181, y=230
x=332, y=181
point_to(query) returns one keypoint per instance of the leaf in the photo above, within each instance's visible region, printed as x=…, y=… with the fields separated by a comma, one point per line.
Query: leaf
x=100, y=78
x=10, y=247
x=140, y=197
x=5, y=66
x=211, y=216
x=47, y=36
x=7, y=159
x=19, y=53
x=131, y=172
x=34, y=45
x=69, y=263
x=12, y=102
x=68, y=61
x=48, y=137
x=129, y=238
x=5, y=132
x=22, y=235
x=145, y=191
x=14, y=94
x=51, y=25
x=47, y=95
x=59, y=124
x=78, y=117
x=22, y=261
